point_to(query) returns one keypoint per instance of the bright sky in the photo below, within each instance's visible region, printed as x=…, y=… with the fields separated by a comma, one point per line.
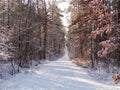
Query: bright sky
x=64, y=6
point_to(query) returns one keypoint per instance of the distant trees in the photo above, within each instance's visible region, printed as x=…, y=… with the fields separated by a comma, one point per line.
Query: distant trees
x=28, y=33
x=55, y=40
x=79, y=33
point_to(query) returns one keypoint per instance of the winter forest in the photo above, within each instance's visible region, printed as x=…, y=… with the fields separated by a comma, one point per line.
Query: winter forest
x=59, y=44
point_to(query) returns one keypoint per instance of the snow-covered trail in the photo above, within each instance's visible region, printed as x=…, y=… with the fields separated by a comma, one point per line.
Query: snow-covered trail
x=56, y=75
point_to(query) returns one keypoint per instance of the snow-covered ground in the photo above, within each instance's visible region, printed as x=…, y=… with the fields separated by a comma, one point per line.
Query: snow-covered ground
x=56, y=75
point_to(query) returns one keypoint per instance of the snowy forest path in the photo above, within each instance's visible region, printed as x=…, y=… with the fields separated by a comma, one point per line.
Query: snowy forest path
x=55, y=75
